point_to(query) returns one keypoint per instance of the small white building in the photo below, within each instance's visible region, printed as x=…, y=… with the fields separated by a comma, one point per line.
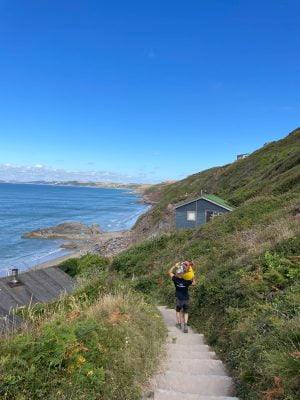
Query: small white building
x=241, y=156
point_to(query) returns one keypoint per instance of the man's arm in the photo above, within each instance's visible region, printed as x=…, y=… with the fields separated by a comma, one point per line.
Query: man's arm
x=193, y=282
x=171, y=273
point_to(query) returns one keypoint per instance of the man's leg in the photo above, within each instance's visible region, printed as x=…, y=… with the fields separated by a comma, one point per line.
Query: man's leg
x=178, y=313
x=185, y=316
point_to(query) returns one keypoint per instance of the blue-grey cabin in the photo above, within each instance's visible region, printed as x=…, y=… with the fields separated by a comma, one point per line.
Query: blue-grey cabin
x=194, y=213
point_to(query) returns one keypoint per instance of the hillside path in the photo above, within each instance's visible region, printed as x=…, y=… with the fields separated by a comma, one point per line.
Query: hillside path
x=190, y=371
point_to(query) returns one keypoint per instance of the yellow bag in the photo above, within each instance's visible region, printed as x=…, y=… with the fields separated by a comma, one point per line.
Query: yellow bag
x=189, y=275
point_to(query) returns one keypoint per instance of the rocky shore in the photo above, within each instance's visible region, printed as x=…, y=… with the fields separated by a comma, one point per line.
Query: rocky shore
x=67, y=230
x=82, y=239
x=85, y=239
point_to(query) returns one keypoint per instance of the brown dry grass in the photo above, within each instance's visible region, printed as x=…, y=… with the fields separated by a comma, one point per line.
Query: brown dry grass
x=111, y=307
x=117, y=316
x=276, y=392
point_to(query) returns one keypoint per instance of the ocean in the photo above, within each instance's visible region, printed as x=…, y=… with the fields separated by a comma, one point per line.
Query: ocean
x=24, y=207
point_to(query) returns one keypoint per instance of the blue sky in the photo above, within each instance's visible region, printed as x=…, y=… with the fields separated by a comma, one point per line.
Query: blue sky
x=143, y=90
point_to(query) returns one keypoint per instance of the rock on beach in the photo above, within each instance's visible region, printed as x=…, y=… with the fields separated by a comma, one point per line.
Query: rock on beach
x=67, y=230
x=89, y=239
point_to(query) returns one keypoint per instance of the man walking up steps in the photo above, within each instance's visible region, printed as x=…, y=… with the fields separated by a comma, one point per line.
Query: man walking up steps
x=181, y=295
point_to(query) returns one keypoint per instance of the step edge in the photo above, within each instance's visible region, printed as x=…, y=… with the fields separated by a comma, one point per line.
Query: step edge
x=197, y=375
x=165, y=391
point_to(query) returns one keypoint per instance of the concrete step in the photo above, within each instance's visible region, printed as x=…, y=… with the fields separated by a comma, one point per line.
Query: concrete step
x=202, y=367
x=187, y=355
x=168, y=315
x=192, y=371
x=187, y=347
x=162, y=394
x=186, y=338
x=180, y=339
x=179, y=333
x=173, y=328
x=205, y=385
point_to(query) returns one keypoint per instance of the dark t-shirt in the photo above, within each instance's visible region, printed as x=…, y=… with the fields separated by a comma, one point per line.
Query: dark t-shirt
x=182, y=288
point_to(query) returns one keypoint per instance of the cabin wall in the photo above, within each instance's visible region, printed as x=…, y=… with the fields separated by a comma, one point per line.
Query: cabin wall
x=200, y=207
x=181, y=216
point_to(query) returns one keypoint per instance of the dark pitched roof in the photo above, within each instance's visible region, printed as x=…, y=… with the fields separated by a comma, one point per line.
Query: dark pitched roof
x=212, y=198
x=37, y=286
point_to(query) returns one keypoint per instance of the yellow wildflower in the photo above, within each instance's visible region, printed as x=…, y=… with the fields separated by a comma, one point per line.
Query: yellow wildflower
x=80, y=360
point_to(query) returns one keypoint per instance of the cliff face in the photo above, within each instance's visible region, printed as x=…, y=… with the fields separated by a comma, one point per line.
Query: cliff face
x=153, y=223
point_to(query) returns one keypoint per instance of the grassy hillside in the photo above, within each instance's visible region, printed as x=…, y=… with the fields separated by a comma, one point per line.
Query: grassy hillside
x=103, y=342
x=247, y=300
x=273, y=169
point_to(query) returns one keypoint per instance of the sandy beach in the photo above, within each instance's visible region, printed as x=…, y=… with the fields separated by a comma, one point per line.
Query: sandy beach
x=56, y=261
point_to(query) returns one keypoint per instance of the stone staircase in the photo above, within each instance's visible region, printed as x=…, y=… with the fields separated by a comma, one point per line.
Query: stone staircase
x=191, y=370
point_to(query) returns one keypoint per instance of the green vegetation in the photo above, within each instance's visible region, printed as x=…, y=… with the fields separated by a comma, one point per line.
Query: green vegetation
x=77, y=266
x=247, y=300
x=103, y=342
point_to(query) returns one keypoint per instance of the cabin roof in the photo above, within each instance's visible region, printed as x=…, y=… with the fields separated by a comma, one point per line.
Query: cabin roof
x=36, y=286
x=211, y=198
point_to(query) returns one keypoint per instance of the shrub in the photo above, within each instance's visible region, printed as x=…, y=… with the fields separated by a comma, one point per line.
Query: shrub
x=70, y=266
x=79, y=266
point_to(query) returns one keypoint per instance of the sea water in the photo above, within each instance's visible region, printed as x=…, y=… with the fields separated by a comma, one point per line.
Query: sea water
x=25, y=207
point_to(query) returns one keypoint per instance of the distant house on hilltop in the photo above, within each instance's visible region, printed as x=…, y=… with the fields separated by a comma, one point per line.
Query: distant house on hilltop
x=194, y=213
x=242, y=156
x=35, y=286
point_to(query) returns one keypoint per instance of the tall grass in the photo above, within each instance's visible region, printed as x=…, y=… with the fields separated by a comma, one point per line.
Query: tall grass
x=84, y=346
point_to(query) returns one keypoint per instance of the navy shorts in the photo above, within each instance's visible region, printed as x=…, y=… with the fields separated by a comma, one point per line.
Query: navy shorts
x=182, y=304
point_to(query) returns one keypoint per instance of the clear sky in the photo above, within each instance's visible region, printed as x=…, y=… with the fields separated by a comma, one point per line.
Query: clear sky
x=143, y=90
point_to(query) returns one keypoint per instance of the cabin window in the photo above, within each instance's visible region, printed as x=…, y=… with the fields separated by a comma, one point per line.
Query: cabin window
x=191, y=215
x=211, y=214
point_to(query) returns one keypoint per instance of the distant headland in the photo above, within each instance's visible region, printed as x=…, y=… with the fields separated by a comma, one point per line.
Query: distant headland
x=115, y=185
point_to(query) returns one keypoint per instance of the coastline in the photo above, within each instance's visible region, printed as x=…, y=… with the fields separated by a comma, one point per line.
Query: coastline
x=136, y=187
x=55, y=261
x=106, y=243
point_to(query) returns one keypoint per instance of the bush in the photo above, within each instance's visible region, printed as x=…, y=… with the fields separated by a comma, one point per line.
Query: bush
x=84, y=264
x=70, y=266
x=288, y=247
